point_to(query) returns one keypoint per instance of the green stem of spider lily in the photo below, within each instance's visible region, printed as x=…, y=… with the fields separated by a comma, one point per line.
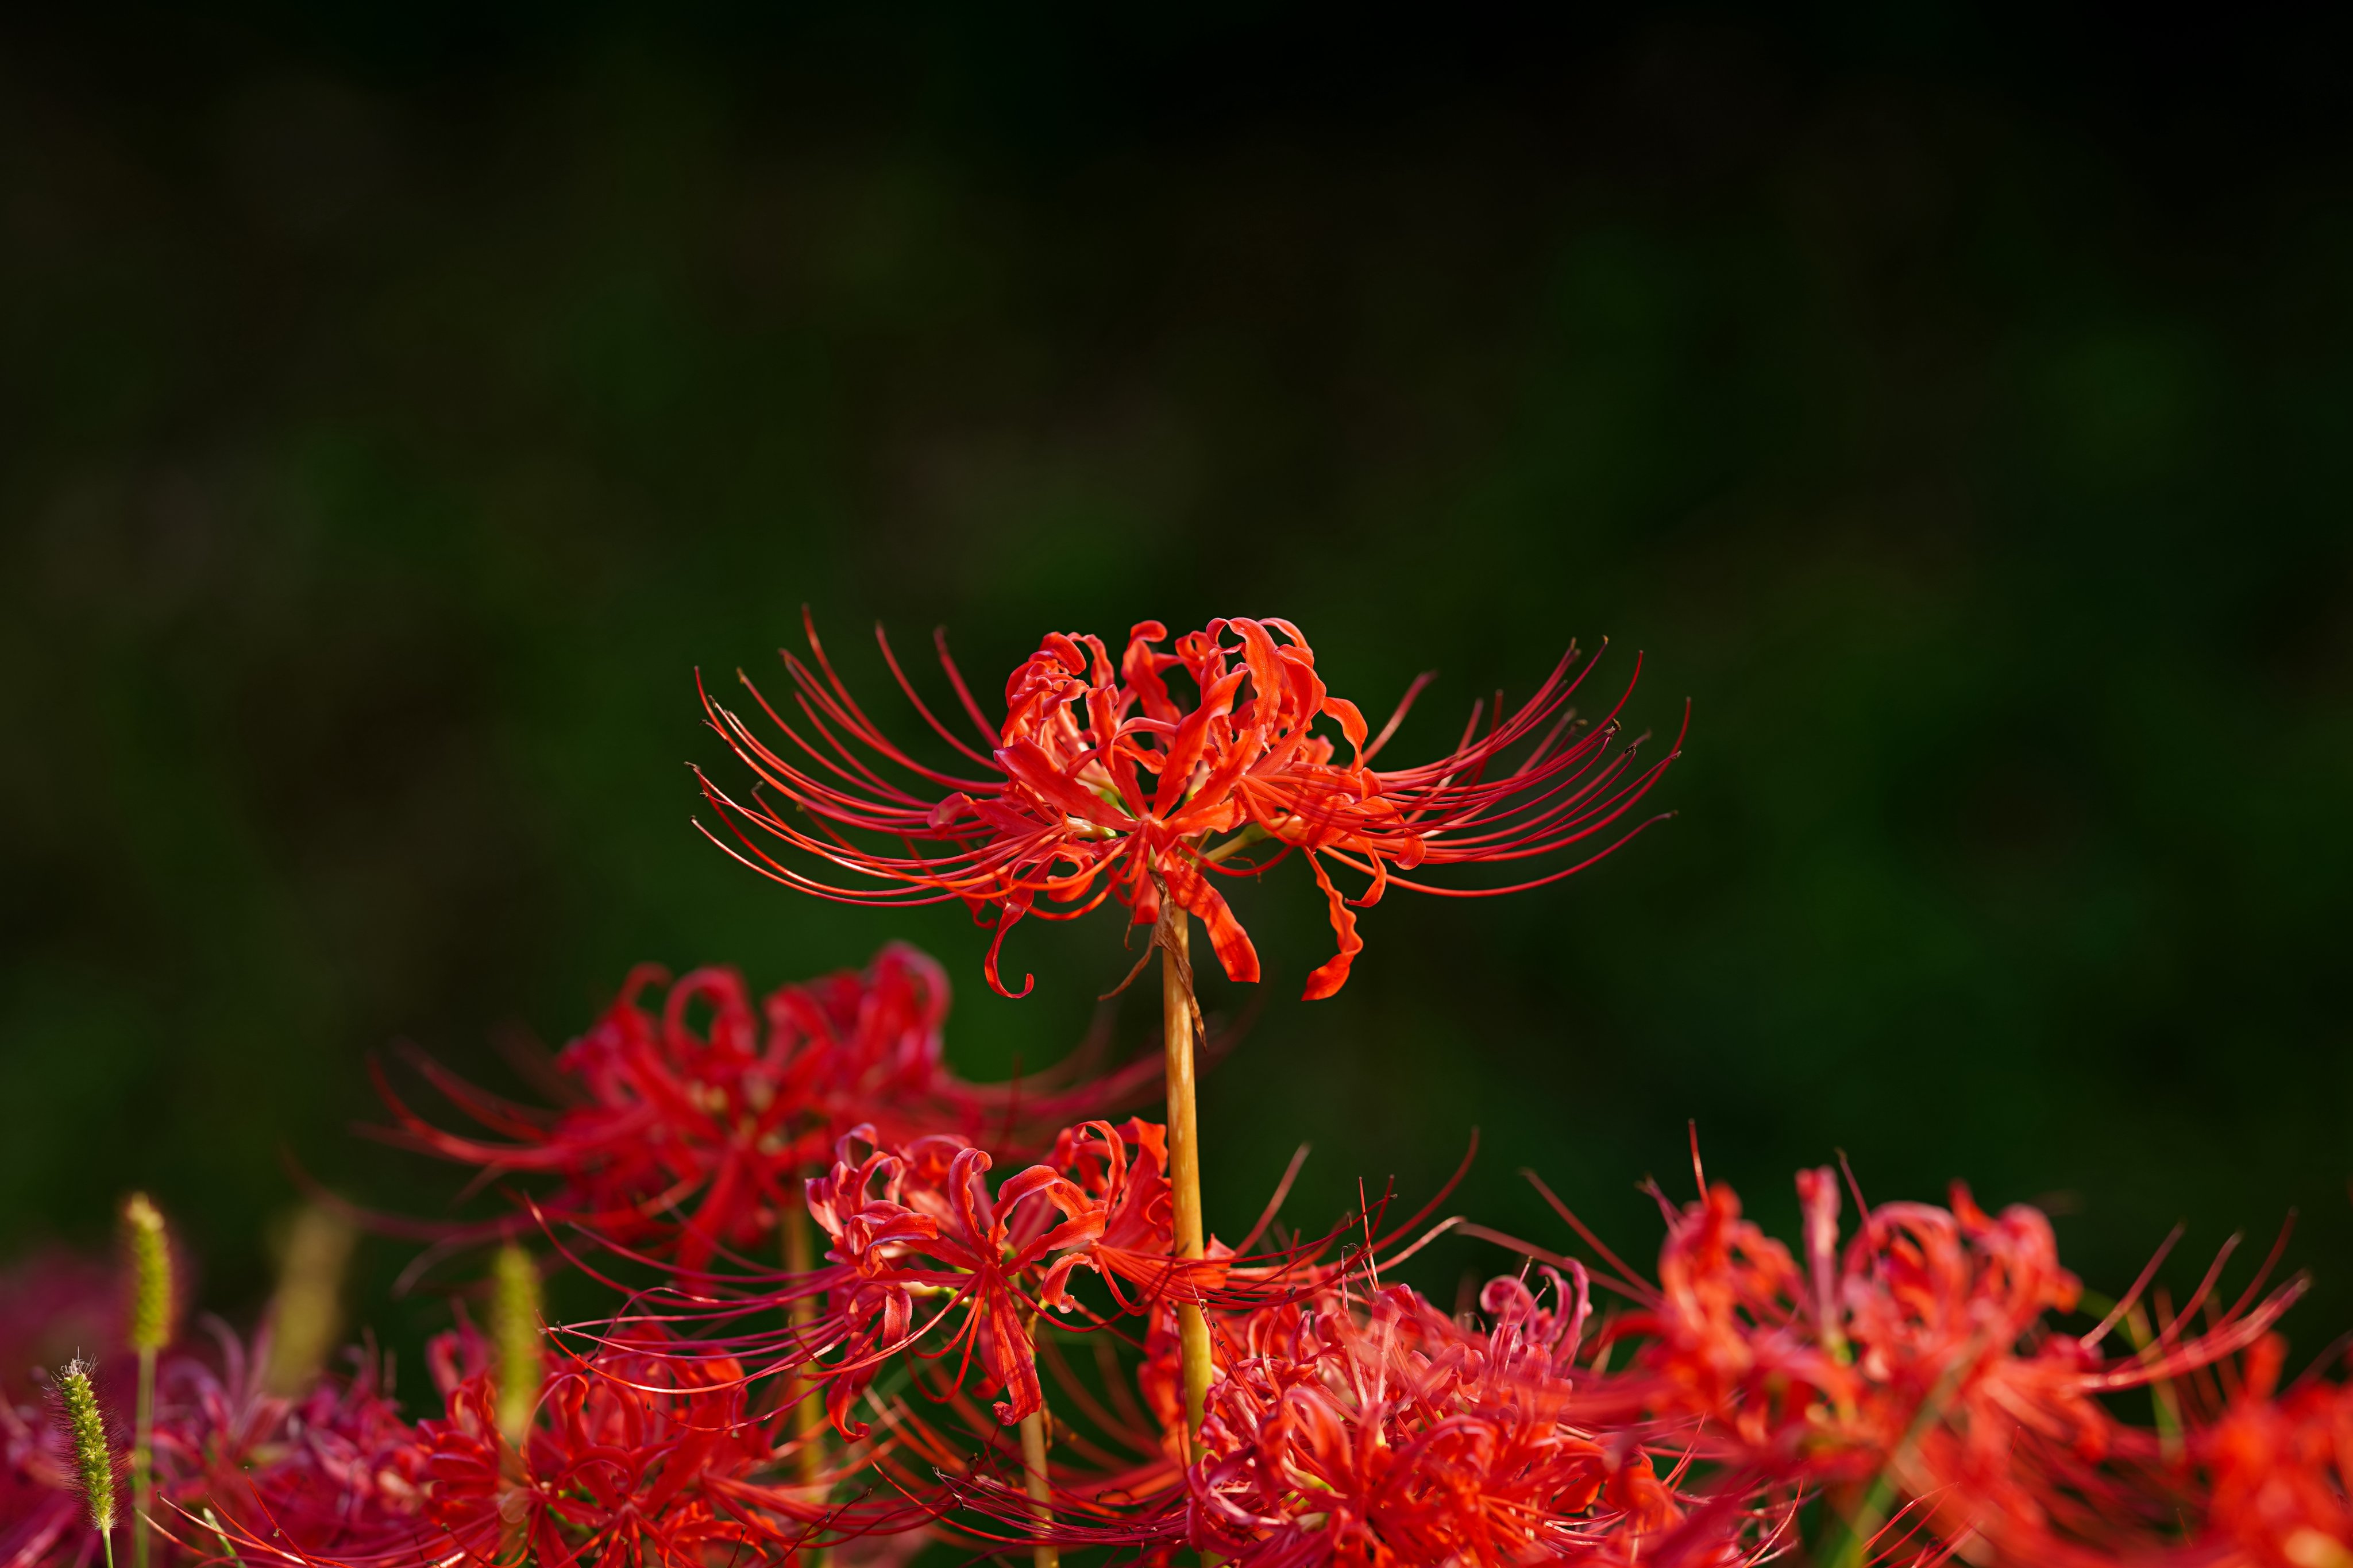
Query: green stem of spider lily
x=228, y=1545
x=1854, y=1545
x=1255, y=833
x=142, y=1459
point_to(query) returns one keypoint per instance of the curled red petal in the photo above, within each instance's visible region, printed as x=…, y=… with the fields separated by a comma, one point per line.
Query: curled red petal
x=1333, y=973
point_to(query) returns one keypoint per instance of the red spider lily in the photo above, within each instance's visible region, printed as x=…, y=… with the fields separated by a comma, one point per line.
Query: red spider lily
x=694, y=1138
x=918, y=1225
x=637, y=1458
x=1105, y=780
x=1918, y=1364
x=2279, y=1472
x=1394, y=1435
x=1379, y=1431
x=324, y=1467
x=928, y=1268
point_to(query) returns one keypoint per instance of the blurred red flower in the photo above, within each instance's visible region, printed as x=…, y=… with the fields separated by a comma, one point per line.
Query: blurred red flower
x=310, y=1473
x=2279, y=1469
x=691, y=1126
x=1918, y=1364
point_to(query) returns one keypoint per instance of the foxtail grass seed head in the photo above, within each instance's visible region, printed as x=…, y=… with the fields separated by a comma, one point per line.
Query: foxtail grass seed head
x=515, y=1328
x=86, y=1430
x=150, y=1274
x=307, y=1313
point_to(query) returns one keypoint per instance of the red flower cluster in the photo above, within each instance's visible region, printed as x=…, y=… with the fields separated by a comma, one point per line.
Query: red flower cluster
x=1919, y=1360
x=1910, y=1394
x=1111, y=779
x=1909, y=1383
x=1909, y=1377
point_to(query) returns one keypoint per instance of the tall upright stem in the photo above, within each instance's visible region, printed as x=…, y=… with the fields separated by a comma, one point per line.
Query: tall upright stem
x=1040, y=1488
x=809, y=1406
x=142, y=1459
x=1176, y=1005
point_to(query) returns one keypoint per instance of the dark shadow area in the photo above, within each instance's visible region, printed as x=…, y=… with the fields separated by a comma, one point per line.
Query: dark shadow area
x=1954, y=404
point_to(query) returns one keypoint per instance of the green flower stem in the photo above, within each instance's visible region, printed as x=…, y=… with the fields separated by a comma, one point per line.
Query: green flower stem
x=142, y=1460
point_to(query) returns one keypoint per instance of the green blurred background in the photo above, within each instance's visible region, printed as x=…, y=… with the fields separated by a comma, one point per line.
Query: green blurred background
x=1955, y=403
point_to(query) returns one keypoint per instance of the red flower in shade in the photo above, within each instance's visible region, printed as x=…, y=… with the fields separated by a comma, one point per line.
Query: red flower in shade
x=314, y=1472
x=1108, y=780
x=319, y=1472
x=694, y=1124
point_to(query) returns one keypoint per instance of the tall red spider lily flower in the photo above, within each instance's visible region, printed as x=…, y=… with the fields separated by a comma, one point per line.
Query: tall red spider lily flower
x=694, y=1121
x=1108, y=779
x=1145, y=779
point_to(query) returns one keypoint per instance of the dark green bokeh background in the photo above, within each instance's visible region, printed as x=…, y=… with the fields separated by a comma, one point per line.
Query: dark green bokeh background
x=1956, y=406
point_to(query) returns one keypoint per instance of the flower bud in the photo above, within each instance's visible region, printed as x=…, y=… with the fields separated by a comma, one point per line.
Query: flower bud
x=514, y=1330
x=86, y=1430
x=150, y=1275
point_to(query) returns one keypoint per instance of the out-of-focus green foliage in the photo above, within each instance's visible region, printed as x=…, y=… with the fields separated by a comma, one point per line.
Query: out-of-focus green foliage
x=395, y=416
